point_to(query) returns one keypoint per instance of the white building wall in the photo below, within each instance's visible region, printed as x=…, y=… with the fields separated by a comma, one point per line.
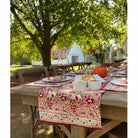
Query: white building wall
x=75, y=51
x=36, y=62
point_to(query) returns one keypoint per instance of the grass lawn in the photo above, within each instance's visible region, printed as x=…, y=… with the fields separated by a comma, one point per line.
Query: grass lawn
x=14, y=67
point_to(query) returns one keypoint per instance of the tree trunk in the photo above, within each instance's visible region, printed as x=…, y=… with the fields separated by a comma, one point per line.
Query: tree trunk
x=21, y=61
x=46, y=56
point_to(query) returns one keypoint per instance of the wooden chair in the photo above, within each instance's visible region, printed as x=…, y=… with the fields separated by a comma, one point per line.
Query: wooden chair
x=79, y=64
x=58, y=71
x=53, y=71
x=21, y=76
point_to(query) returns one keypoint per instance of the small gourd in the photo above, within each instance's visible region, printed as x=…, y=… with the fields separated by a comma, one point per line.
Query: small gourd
x=89, y=71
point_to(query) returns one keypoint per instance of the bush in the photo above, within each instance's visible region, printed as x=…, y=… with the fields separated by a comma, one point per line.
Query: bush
x=25, y=61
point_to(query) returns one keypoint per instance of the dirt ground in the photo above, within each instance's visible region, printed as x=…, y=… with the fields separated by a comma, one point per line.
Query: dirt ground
x=20, y=121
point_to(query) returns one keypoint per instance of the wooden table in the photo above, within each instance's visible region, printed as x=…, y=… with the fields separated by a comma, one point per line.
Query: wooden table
x=113, y=107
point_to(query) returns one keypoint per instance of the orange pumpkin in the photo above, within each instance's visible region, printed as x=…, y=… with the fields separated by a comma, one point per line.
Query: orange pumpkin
x=101, y=71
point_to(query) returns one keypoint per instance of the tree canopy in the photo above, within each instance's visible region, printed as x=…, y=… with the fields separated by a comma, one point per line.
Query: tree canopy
x=62, y=22
x=20, y=45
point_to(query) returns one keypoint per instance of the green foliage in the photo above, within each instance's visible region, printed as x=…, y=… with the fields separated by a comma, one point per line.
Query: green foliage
x=99, y=20
x=62, y=22
x=22, y=49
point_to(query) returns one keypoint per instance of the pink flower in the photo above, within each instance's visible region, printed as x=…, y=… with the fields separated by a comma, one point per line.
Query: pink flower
x=53, y=95
x=78, y=97
x=49, y=104
x=99, y=98
x=90, y=100
x=48, y=89
x=63, y=97
x=41, y=94
x=60, y=94
x=73, y=107
x=86, y=96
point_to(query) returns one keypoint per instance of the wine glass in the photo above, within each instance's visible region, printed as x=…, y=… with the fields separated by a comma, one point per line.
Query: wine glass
x=108, y=62
x=63, y=65
x=109, y=65
x=88, y=61
x=119, y=59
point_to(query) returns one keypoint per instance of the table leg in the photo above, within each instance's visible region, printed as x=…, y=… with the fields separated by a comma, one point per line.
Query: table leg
x=35, y=122
x=78, y=132
x=32, y=121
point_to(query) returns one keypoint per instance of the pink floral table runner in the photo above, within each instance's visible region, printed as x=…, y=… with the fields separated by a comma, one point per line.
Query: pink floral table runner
x=61, y=105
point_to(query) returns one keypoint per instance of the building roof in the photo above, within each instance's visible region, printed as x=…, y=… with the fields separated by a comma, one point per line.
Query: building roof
x=61, y=53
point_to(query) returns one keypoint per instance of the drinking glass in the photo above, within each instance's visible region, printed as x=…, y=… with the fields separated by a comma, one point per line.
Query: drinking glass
x=63, y=65
x=88, y=61
x=108, y=62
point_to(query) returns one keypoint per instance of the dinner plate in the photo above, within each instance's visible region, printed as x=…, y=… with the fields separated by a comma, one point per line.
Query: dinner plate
x=54, y=80
x=122, y=72
x=48, y=84
x=117, y=82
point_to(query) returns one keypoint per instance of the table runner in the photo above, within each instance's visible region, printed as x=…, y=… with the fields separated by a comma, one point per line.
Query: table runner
x=63, y=106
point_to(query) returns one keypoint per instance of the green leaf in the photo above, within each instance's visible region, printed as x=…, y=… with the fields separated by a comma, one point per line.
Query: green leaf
x=50, y=98
x=74, y=101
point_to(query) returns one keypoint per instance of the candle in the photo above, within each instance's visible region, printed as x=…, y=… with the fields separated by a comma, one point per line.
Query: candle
x=110, y=55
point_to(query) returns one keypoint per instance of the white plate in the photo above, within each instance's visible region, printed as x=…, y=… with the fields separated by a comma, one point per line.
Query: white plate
x=48, y=84
x=117, y=82
x=122, y=72
x=56, y=81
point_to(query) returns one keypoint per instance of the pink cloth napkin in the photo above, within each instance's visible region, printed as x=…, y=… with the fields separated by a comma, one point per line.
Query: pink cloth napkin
x=80, y=71
x=110, y=87
x=107, y=85
x=63, y=106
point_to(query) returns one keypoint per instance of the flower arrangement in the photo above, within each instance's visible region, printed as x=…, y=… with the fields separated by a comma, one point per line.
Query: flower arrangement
x=98, y=51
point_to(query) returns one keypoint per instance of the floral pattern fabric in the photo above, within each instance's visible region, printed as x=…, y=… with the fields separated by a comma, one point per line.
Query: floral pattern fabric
x=64, y=106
